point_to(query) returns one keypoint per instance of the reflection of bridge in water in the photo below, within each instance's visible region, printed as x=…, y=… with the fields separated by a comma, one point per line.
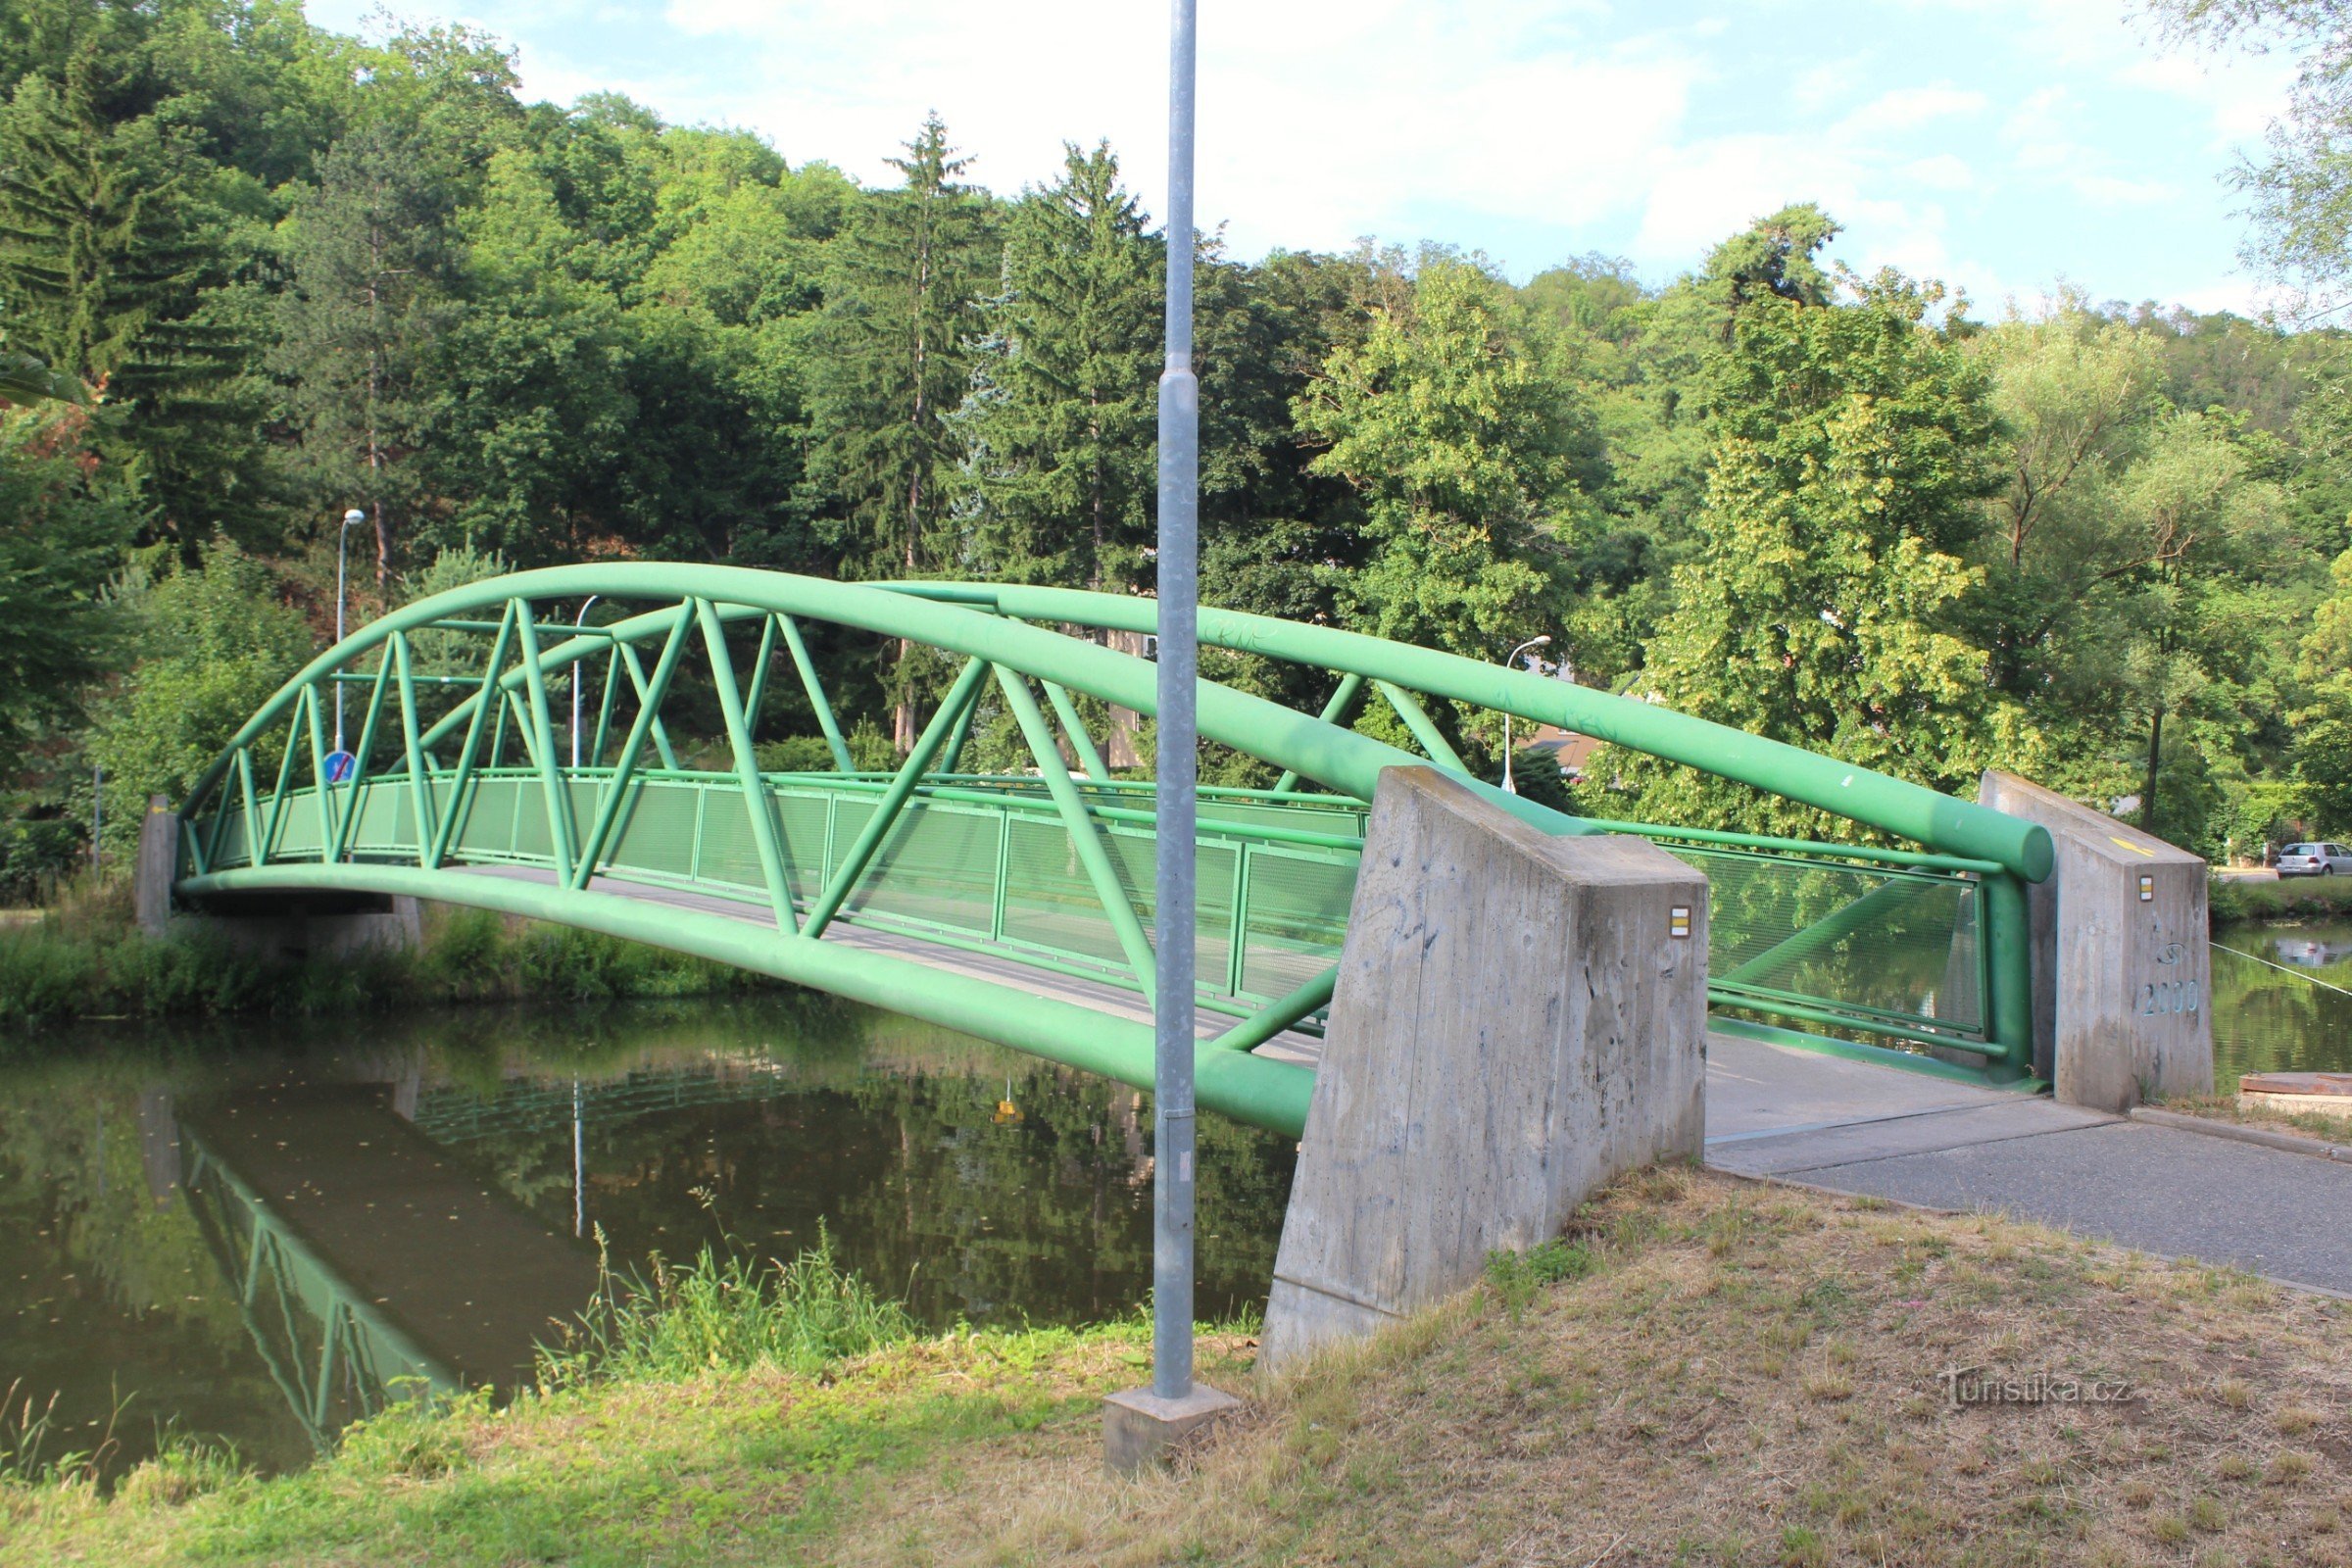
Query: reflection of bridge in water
x=363, y=1253
x=370, y=1253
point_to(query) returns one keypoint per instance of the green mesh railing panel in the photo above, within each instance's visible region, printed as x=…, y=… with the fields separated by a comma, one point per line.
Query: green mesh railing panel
x=490, y=819
x=1048, y=900
x=727, y=852
x=1296, y=906
x=657, y=836
x=387, y=823
x=1874, y=941
x=938, y=866
x=297, y=828
x=805, y=820
x=1885, y=947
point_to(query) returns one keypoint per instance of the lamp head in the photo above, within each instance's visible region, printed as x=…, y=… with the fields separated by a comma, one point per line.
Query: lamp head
x=355, y=515
x=1540, y=642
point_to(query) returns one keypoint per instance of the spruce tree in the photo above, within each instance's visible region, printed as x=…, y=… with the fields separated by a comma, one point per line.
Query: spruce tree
x=902, y=298
x=1060, y=425
x=113, y=262
x=368, y=250
x=890, y=362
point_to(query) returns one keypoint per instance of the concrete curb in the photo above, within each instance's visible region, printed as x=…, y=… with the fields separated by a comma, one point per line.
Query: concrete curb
x=2317, y=1148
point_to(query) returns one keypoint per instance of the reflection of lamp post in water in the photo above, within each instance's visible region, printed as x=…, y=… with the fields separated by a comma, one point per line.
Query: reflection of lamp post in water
x=1511, y=662
x=579, y=1168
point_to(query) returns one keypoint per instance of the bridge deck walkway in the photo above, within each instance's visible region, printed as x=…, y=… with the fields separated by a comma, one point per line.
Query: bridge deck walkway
x=1101, y=996
x=1856, y=1127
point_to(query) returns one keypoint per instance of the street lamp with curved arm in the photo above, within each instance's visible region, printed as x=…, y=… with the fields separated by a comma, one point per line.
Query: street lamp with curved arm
x=1511, y=661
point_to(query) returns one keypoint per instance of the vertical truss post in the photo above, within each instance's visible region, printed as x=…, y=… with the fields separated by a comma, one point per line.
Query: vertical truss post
x=285, y=776
x=762, y=662
x=347, y=823
x=253, y=853
x=951, y=762
x=629, y=661
x=1090, y=761
x=2009, y=1019
x=1350, y=684
x=421, y=787
x=756, y=797
x=319, y=789
x=1425, y=731
x=1085, y=838
x=604, y=709
x=539, y=736
x=608, y=810
x=447, y=828
x=816, y=689
x=894, y=798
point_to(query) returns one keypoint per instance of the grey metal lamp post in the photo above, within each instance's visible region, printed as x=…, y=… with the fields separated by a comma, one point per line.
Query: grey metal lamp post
x=342, y=549
x=1512, y=663
x=580, y=621
x=1142, y=1425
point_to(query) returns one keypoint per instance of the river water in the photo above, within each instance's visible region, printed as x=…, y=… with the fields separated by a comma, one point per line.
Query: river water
x=244, y=1232
x=193, y=1227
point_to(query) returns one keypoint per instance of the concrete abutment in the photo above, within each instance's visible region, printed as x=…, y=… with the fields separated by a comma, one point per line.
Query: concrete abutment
x=281, y=926
x=2122, y=967
x=1519, y=1019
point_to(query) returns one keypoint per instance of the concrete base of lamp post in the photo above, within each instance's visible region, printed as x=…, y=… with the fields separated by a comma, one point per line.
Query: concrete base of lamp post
x=1141, y=1430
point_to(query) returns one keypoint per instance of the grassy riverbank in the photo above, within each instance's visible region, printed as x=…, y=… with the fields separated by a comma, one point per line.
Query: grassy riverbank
x=86, y=958
x=2234, y=899
x=1705, y=1372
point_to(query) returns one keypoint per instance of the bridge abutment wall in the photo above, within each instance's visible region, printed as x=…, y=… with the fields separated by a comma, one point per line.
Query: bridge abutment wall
x=2122, y=970
x=283, y=926
x=1519, y=1018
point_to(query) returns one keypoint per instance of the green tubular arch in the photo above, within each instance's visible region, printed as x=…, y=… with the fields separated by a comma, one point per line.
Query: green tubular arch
x=1338, y=759
x=1893, y=806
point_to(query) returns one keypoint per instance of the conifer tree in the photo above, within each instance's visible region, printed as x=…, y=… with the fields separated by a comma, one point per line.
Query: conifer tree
x=1060, y=425
x=890, y=362
x=902, y=298
x=369, y=251
x=112, y=259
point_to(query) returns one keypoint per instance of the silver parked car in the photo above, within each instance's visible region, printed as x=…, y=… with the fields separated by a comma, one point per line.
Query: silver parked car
x=2315, y=859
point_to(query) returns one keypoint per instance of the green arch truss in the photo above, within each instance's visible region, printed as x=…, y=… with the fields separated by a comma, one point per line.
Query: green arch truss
x=1002, y=905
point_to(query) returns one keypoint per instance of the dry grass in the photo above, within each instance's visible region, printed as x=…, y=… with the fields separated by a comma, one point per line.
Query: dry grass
x=1745, y=1375
x=1750, y=1377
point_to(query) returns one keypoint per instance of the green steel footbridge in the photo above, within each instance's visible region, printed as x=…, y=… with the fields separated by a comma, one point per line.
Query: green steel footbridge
x=1016, y=906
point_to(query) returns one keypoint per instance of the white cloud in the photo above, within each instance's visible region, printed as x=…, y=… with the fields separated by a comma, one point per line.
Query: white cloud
x=2108, y=190
x=2050, y=133
x=1908, y=108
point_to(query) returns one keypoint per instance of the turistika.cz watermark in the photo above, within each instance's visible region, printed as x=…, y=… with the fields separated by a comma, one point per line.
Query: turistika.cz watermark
x=1974, y=1385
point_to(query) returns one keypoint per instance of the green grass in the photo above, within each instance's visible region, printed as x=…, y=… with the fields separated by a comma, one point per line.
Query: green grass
x=86, y=959
x=724, y=1312
x=2232, y=900
x=1703, y=1371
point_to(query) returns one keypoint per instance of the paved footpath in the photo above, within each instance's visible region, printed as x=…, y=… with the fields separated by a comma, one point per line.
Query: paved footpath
x=1856, y=1127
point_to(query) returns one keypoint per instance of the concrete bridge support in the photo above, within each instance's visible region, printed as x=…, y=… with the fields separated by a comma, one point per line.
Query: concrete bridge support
x=287, y=926
x=2122, y=970
x=1519, y=1018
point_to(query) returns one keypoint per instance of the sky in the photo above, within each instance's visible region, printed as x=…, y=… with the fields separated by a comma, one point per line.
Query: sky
x=2007, y=147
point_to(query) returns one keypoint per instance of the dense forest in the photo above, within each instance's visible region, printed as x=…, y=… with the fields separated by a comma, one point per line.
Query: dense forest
x=282, y=271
